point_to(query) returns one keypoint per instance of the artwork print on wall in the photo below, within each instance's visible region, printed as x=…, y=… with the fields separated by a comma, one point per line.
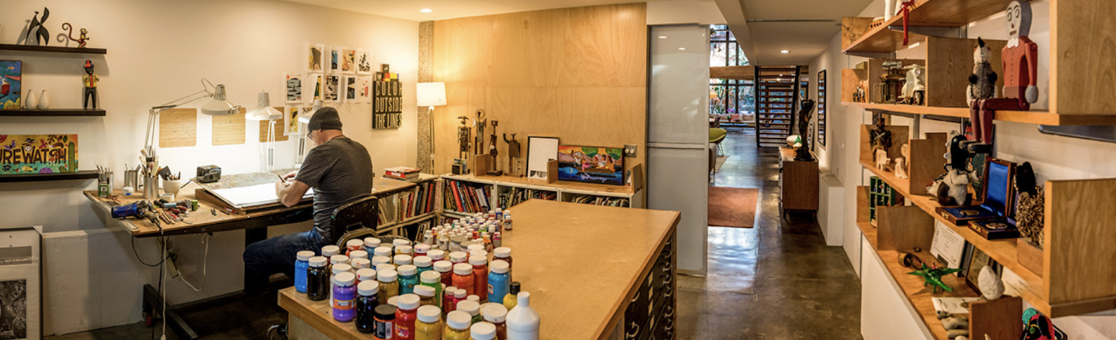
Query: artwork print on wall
x=315, y=58
x=591, y=164
x=350, y=87
x=315, y=86
x=38, y=154
x=10, y=83
x=332, y=87
x=540, y=150
x=364, y=62
x=290, y=120
x=364, y=89
x=335, y=59
x=348, y=61
x=13, y=309
x=294, y=88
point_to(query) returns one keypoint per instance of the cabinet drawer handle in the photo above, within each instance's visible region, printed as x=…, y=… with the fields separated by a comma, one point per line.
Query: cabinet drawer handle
x=633, y=334
x=670, y=312
x=636, y=297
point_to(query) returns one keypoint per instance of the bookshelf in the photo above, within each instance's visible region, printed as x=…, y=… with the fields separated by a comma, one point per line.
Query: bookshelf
x=562, y=191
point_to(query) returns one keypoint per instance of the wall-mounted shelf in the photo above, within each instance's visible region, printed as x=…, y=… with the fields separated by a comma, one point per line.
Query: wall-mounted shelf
x=1026, y=117
x=53, y=113
x=82, y=175
x=52, y=49
x=926, y=13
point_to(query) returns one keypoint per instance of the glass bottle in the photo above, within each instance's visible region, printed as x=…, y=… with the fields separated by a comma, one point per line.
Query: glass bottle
x=389, y=287
x=457, y=326
x=480, y=276
x=344, y=297
x=405, y=316
x=497, y=315
x=463, y=277
x=511, y=299
x=482, y=331
x=498, y=281
x=433, y=280
x=408, y=279
x=429, y=325
x=445, y=269
x=317, y=279
x=302, y=265
x=366, y=305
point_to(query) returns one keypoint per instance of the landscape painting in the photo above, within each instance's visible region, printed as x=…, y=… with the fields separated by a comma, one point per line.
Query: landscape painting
x=10, y=80
x=591, y=164
x=38, y=154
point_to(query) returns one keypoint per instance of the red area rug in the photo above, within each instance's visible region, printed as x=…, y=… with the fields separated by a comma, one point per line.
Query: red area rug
x=732, y=207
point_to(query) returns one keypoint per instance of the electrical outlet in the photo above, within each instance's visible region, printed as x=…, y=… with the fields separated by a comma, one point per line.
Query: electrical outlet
x=630, y=150
x=172, y=267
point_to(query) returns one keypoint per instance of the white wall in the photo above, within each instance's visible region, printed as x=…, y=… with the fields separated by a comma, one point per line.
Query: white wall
x=157, y=52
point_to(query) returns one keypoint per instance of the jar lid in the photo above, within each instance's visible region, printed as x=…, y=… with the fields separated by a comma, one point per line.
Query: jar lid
x=498, y=266
x=404, y=249
x=429, y=314
x=460, y=293
x=493, y=312
x=458, y=320
x=483, y=331
x=469, y=306
x=422, y=248
x=345, y=279
x=402, y=259
x=408, y=301
x=386, y=266
x=463, y=269
x=335, y=259
x=385, y=312
x=304, y=255
x=341, y=268
x=479, y=252
x=386, y=275
x=371, y=242
x=368, y=288
x=364, y=274
x=478, y=260
x=422, y=261
x=502, y=251
x=499, y=210
x=393, y=301
x=425, y=291
x=430, y=276
x=514, y=288
x=378, y=260
x=443, y=266
x=328, y=251
x=318, y=261
x=382, y=251
x=354, y=243
x=458, y=256
x=436, y=254
x=359, y=263
x=408, y=270
x=400, y=242
x=358, y=254
x=474, y=247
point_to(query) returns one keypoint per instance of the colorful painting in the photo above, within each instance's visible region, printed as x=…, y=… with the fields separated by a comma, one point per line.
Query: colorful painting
x=364, y=62
x=364, y=89
x=315, y=58
x=332, y=90
x=315, y=85
x=294, y=88
x=350, y=89
x=38, y=154
x=591, y=164
x=290, y=119
x=335, y=59
x=10, y=83
x=348, y=61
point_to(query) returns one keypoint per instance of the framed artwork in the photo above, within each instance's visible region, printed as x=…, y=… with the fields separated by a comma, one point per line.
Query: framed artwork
x=334, y=59
x=290, y=120
x=364, y=89
x=540, y=150
x=351, y=87
x=364, y=62
x=11, y=75
x=20, y=281
x=315, y=58
x=294, y=88
x=38, y=154
x=822, y=112
x=314, y=87
x=348, y=60
x=387, y=105
x=332, y=88
x=591, y=164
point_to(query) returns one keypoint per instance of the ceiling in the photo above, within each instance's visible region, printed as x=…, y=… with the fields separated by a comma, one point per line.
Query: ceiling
x=803, y=27
x=450, y=9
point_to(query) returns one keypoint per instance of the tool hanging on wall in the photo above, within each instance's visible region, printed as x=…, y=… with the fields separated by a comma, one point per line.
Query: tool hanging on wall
x=492, y=151
x=513, y=155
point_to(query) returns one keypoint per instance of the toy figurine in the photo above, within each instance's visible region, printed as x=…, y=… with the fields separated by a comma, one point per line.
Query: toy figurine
x=81, y=38
x=903, y=163
x=952, y=187
x=933, y=276
x=804, y=114
x=478, y=139
x=881, y=138
x=494, y=152
x=1020, y=61
x=89, y=94
x=882, y=160
x=513, y=155
x=914, y=89
x=1038, y=327
x=982, y=83
x=37, y=32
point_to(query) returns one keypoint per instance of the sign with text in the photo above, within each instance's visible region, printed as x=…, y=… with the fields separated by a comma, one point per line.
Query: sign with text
x=38, y=154
x=387, y=104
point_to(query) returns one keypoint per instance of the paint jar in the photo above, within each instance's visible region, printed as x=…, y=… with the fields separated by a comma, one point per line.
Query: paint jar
x=352, y=245
x=428, y=238
x=302, y=265
x=471, y=307
x=455, y=243
x=427, y=295
x=523, y=321
x=503, y=254
x=497, y=239
x=507, y=220
x=512, y=299
x=429, y=325
x=382, y=251
x=338, y=259
x=389, y=287
x=423, y=263
x=463, y=277
x=457, y=326
x=370, y=244
x=436, y=255
x=498, y=281
x=367, y=301
x=433, y=280
x=458, y=257
x=482, y=331
x=445, y=269
x=337, y=269
x=365, y=274
x=344, y=297
x=399, y=242
x=317, y=279
x=421, y=250
x=449, y=303
x=405, y=316
x=497, y=315
x=458, y=296
x=331, y=250
x=358, y=254
x=359, y=263
x=408, y=279
x=384, y=322
x=402, y=260
x=379, y=261
x=404, y=250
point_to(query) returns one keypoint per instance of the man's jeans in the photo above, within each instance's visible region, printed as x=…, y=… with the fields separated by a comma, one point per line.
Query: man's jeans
x=277, y=255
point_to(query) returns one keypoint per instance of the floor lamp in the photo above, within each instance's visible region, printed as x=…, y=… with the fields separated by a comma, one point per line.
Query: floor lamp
x=431, y=95
x=264, y=111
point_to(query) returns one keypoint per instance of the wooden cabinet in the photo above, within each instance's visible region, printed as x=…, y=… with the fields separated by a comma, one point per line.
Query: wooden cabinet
x=798, y=183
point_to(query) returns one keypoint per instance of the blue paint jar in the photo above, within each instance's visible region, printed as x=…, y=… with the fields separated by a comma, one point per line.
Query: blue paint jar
x=344, y=297
x=302, y=265
x=498, y=280
x=370, y=245
x=408, y=279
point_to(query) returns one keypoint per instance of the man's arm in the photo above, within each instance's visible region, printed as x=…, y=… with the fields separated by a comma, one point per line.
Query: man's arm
x=290, y=193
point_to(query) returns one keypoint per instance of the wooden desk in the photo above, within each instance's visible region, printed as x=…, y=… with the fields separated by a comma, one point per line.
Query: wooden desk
x=798, y=183
x=594, y=278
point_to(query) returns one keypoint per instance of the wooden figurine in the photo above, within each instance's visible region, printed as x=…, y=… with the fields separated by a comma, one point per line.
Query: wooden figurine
x=513, y=155
x=89, y=81
x=1020, y=62
x=494, y=152
x=903, y=163
x=882, y=160
x=81, y=38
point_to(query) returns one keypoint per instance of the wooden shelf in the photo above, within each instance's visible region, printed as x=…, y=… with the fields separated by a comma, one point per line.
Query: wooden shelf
x=53, y=113
x=926, y=13
x=1026, y=117
x=52, y=49
x=65, y=176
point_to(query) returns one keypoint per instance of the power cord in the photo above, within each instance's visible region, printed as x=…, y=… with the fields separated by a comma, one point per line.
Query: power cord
x=205, y=263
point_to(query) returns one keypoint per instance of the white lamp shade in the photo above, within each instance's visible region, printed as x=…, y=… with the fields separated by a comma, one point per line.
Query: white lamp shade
x=304, y=118
x=263, y=109
x=431, y=94
x=219, y=106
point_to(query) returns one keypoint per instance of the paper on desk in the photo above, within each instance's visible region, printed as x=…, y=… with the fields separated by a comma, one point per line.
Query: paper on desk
x=252, y=195
x=954, y=305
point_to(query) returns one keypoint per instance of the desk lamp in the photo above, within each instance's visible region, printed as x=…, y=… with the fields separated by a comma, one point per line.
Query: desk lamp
x=218, y=106
x=264, y=111
x=303, y=121
x=431, y=95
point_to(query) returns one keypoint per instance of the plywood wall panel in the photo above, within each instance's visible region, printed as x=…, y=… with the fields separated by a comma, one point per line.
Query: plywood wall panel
x=178, y=128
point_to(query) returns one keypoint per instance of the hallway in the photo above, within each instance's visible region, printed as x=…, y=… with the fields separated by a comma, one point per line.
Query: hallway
x=775, y=281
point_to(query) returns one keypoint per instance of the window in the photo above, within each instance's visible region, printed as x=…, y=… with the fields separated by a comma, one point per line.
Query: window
x=728, y=96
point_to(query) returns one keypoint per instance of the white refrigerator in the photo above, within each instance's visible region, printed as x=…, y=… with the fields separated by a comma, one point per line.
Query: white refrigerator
x=678, y=135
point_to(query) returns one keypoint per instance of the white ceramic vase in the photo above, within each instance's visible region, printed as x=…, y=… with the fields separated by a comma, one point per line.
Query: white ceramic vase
x=44, y=101
x=29, y=101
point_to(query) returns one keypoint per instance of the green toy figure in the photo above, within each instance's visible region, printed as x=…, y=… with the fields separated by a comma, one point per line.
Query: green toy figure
x=933, y=276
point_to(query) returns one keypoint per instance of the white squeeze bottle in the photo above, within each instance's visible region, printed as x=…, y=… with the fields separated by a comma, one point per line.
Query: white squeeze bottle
x=523, y=321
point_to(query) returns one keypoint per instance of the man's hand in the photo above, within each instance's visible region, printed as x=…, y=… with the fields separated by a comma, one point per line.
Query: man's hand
x=290, y=193
x=289, y=176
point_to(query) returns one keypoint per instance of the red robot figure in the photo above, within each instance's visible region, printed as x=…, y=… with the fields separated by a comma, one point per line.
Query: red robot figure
x=1020, y=61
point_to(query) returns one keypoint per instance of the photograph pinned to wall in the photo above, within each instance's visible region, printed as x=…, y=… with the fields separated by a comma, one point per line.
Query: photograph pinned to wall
x=332, y=88
x=364, y=62
x=364, y=89
x=334, y=59
x=294, y=88
x=350, y=89
x=314, y=86
x=11, y=75
x=348, y=60
x=315, y=58
x=591, y=164
x=20, y=279
x=540, y=150
x=38, y=154
x=290, y=120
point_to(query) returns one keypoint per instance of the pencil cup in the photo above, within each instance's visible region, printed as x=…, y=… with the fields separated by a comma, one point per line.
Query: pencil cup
x=172, y=186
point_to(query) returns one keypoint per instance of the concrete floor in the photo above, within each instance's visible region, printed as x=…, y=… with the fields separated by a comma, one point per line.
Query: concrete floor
x=775, y=281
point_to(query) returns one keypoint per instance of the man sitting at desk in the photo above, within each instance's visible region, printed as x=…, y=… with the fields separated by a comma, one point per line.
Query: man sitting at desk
x=340, y=171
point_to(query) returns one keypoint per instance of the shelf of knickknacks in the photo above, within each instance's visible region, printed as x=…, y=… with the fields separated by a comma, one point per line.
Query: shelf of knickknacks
x=1025, y=117
x=53, y=49
x=58, y=176
x=53, y=113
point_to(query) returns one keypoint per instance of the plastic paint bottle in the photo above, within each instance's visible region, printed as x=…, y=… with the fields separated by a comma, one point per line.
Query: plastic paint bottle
x=463, y=277
x=449, y=301
x=328, y=251
x=359, y=263
x=483, y=331
x=480, y=276
x=365, y=274
x=523, y=321
x=385, y=322
x=317, y=279
x=399, y=243
x=352, y=245
x=401, y=260
x=475, y=247
x=471, y=307
x=367, y=301
x=458, y=257
x=445, y=269
x=389, y=287
x=408, y=279
x=370, y=244
x=457, y=326
x=423, y=263
x=436, y=255
x=358, y=254
x=405, y=250
x=507, y=220
x=512, y=298
x=383, y=251
x=426, y=296
x=504, y=254
x=338, y=259
x=433, y=280
x=344, y=297
x=405, y=316
x=378, y=261
x=497, y=315
x=421, y=250
x=498, y=281
x=337, y=269
x=429, y=325
x=302, y=265
x=458, y=296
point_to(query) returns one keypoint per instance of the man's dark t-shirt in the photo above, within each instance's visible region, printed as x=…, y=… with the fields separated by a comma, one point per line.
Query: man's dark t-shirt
x=340, y=171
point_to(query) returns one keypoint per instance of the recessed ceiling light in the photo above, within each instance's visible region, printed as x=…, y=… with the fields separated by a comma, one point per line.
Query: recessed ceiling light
x=681, y=48
x=784, y=51
x=662, y=37
x=426, y=10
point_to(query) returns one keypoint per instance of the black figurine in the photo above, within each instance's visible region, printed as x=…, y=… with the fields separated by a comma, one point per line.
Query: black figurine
x=37, y=30
x=804, y=113
x=513, y=155
x=89, y=81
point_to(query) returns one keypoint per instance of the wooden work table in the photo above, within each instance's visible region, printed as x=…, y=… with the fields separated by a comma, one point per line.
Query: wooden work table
x=583, y=265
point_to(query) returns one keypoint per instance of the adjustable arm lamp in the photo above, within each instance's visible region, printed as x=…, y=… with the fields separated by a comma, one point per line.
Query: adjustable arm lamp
x=218, y=106
x=264, y=111
x=431, y=95
x=303, y=122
